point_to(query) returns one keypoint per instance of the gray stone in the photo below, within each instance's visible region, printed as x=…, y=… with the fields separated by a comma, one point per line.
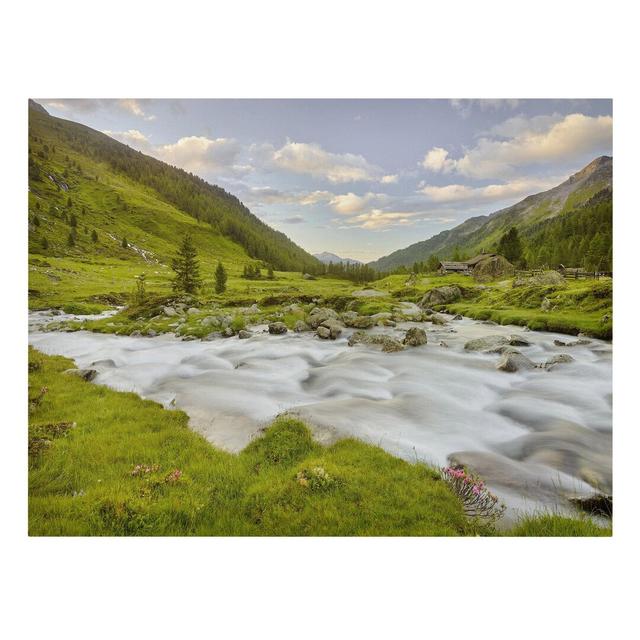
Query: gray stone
x=192, y=311
x=277, y=328
x=389, y=345
x=415, y=337
x=151, y=333
x=518, y=341
x=135, y=334
x=243, y=334
x=561, y=358
x=227, y=332
x=319, y=315
x=335, y=328
x=575, y=343
x=301, y=326
x=457, y=317
x=323, y=332
x=488, y=342
x=170, y=311
x=441, y=295
x=514, y=361
x=438, y=319
x=85, y=374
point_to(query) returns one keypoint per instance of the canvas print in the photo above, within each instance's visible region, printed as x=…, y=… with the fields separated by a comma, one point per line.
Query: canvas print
x=320, y=317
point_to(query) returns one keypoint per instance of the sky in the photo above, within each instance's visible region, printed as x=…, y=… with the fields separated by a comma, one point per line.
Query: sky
x=362, y=178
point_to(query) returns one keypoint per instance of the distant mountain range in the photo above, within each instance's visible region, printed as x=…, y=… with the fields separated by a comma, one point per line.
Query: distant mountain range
x=328, y=257
x=484, y=232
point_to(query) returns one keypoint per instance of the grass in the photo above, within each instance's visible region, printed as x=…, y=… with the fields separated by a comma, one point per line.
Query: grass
x=552, y=525
x=104, y=462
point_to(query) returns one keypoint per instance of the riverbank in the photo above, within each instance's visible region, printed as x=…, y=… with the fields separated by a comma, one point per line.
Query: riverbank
x=103, y=462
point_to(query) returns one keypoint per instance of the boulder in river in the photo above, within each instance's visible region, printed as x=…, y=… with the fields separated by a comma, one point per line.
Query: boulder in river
x=335, y=328
x=323, y=332
x=301, y=326
x=359, y=322
x=436, y=318
x=487, y=342
x=575, y=343
x=228, y=332
x=389, y=344
x=560, y=358
x=441, y=295
x=85, y=374
x=319, y=315
x=513, y=361
x=243, y=334
x=277, y=328
x=151, y=333
x=415, y=337
x=518, y=341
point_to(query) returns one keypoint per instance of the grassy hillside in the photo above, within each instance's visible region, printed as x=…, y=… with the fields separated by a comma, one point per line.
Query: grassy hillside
x=484, y=232
x=89, y=193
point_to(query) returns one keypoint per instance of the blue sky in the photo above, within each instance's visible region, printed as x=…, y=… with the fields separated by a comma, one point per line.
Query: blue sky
x=362, y=178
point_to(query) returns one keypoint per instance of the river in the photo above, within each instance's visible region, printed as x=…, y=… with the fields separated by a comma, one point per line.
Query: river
x=536, y=436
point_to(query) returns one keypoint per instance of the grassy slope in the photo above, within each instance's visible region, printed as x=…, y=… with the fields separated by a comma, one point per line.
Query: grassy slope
x=114, y=207
x=81, y=483
x=254, y=493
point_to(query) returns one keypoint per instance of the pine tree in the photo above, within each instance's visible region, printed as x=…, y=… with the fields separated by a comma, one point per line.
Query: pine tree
x=74, y=221
x=94, y=236
x=187, y=268
x=125, y=244
x=511, y=247
x=45, y=243
x=221, y=278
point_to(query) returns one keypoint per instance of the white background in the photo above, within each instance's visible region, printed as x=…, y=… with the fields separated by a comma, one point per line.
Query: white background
x=318, y=588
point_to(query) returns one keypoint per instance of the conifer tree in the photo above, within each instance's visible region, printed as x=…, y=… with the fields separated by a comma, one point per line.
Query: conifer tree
x=187, y=268
x=221, y=278
x=125, y=244
x=94, y=236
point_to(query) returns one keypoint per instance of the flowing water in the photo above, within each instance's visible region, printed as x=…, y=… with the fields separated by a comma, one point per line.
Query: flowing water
x=536, y=436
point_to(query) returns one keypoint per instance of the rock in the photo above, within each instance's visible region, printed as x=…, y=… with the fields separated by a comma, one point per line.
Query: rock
x=518, y=341
x=547, y=278
x=227, y=332
x=335, y=328
x=546, y=304
x=301, y=326
x=440, y=295
x=383, y=318
x=575, y=343
x=151, y=333
x=253, y=309
x=85, y=374
x=503, y=348
x=192, y=311
x=457, y=317
x=319, y=315
x=323, y=332
x=361, y=322
x=277, y=328
x=103, y=363
x=349, y=316
x=597, y=504
x=443, y=344
x=169, y=311
x=438, y=319
x=189, y=338
x=514, y=361
x=388, y=344
x=243, y=334
x=135, y=334
x=488, y=342
x=415, y=337
x=491, y=323
x=210, y=321
x=210, y=337
x=561, y=358
x=308, y=276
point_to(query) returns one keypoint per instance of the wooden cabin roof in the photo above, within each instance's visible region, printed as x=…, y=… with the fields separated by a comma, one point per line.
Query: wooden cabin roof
x=482, y=256
x=454, y=266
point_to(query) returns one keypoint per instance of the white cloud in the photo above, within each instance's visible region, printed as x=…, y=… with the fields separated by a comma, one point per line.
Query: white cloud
x=197, y=154
x=532, y=141
x=89, y=105
x=437, y=160
x=465, y=107
x=514, y=189
x=349, y=203
x=311, y=159
x=389, y=179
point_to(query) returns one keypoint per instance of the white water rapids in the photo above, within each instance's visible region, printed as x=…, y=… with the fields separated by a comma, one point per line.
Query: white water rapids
x=536, y=436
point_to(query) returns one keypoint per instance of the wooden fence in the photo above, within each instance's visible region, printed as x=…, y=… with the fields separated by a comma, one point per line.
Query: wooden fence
x=593, y=275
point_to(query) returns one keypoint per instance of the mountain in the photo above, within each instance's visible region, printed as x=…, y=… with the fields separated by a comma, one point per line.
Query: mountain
x=116, y=191
x=326, y=257
x=483, y=232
